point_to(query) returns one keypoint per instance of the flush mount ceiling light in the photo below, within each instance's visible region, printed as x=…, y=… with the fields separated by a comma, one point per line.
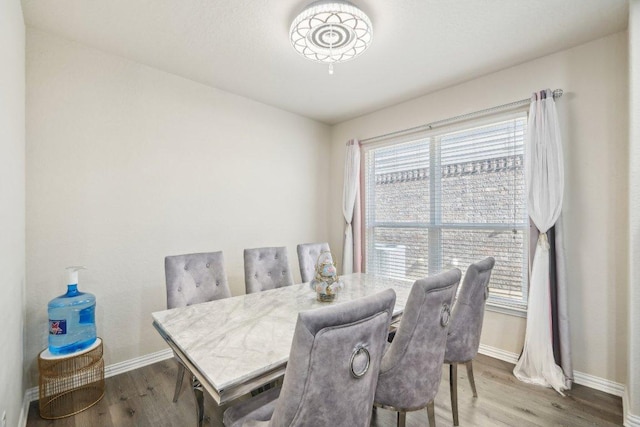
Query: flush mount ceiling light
x=331, y=32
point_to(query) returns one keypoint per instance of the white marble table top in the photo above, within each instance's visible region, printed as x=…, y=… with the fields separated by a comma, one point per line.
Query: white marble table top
x=233, y=340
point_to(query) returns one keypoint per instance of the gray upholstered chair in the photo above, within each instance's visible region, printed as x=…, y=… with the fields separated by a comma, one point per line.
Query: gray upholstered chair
x=333, y=367
x=411, y=368
x=193, y=279
x=266, y=268
x=308, y=256
x=466, y=325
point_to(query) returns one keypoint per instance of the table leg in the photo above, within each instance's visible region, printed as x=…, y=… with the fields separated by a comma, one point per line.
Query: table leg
x=198, y=392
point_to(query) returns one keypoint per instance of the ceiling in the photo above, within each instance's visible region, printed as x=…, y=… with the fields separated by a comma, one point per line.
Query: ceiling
x=242, y=46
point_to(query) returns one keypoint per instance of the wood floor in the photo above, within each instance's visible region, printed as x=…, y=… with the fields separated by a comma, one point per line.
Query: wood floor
x=143, y=397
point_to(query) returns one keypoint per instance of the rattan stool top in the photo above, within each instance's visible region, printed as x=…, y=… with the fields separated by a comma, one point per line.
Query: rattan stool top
x=47, y=355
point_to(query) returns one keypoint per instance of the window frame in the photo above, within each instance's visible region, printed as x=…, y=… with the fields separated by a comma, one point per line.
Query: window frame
x=494, y=302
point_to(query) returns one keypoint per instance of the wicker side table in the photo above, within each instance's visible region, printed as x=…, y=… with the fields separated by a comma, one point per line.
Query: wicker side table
x=70, y=383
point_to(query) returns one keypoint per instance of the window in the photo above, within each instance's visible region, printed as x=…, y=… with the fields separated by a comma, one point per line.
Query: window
x=448, y=198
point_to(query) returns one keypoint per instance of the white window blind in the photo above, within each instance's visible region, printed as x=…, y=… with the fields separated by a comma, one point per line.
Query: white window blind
x=448, y=199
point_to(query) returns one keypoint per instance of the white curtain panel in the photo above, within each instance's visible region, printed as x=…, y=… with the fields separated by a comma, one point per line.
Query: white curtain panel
x=545, y=185
x=357, y=233
x=349, y=194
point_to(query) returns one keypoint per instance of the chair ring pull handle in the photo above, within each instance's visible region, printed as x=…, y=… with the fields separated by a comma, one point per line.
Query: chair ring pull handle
x=445, y=315
x=486, y=292
x=358, y=351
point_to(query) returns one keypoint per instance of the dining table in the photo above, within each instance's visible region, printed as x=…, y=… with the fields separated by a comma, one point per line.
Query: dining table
x=233, y=346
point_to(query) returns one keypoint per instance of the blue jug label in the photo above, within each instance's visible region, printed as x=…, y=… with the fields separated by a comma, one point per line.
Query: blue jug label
x=57, y=327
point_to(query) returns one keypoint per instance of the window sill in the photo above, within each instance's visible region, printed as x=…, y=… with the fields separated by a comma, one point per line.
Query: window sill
x=503, y=309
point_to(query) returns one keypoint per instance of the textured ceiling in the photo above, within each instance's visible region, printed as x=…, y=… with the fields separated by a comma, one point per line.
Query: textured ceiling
x=242, y=46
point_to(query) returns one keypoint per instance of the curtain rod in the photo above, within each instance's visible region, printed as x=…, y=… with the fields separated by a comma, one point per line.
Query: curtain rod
x=556, y=94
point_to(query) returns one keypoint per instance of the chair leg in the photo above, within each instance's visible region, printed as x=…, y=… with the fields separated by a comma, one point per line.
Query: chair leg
x=176, y=393
x=471, y=380
x=453, y=387
x=402, y=419
x=198, y=393
x=431, y=413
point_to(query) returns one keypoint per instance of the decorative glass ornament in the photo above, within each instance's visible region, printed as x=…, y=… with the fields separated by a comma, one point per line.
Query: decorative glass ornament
x=326, y=282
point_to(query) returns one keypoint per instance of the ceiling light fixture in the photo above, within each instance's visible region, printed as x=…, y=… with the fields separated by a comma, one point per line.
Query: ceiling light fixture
x=331, y=32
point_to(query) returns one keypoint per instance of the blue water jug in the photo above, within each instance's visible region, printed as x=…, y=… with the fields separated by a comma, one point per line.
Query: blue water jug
x=72, y=320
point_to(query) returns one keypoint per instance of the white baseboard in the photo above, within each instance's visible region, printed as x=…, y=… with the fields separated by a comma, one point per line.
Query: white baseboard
x=138, y=362
x=630, y=420
x=498, y=353
x=598, y=383
x=588, y=380
x=30, y=395
x=24, y=411
x=109, y=371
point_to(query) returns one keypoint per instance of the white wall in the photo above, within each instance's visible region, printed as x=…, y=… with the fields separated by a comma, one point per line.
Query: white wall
x=127, y=164
x=593, y=113
x=12, y=202
x=632, y=406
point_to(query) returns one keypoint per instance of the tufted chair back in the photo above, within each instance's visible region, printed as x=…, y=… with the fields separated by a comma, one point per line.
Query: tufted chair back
x=266, y=268
x=307, y=257
x=332, y=371
x=468, y=313
x=412, y=366
x=195, y=278
x=466, y=325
